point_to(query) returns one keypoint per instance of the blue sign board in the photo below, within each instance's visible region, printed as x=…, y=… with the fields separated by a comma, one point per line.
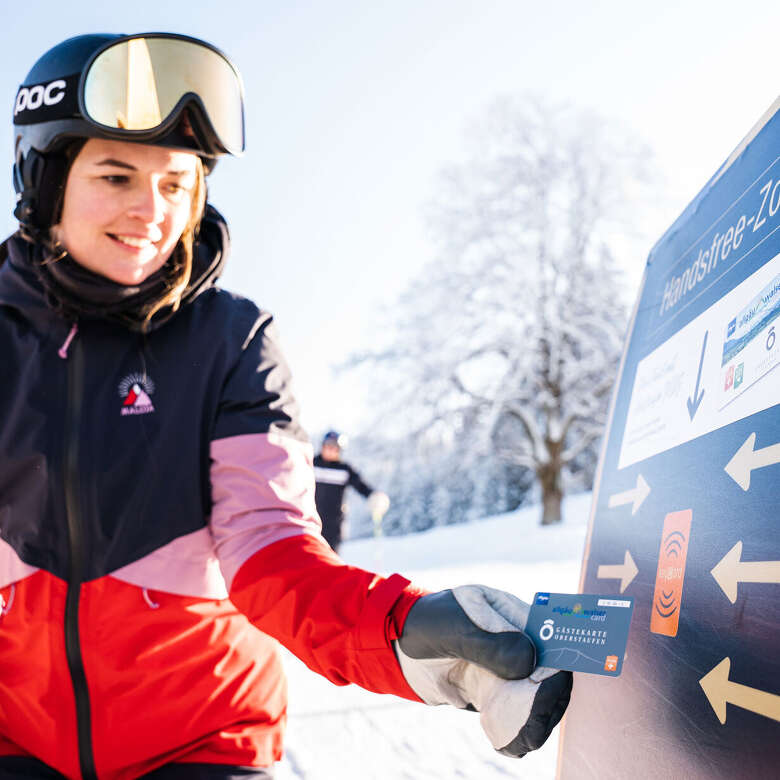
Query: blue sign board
x=686, y=512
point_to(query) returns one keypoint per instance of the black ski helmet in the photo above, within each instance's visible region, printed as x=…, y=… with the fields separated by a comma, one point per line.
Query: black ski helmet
x=120, y=87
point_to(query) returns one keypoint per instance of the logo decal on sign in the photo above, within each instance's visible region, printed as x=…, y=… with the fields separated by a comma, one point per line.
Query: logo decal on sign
x=729, y=378
x=136, y=391
x=667, y=597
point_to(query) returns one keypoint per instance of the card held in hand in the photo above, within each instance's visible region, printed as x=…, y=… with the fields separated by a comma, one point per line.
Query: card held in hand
x=581, y=632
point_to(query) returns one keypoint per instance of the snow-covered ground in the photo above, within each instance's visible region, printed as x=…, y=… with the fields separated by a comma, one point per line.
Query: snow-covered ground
x=346, y=733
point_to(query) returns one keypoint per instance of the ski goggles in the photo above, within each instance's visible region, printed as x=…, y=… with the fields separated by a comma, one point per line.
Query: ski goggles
x=137, y=87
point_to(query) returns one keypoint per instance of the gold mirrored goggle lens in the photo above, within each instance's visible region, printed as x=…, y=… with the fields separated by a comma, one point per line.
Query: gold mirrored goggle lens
x=135, y=84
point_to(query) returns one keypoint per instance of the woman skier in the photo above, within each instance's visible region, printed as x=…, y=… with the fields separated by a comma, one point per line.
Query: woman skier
x=158, y=533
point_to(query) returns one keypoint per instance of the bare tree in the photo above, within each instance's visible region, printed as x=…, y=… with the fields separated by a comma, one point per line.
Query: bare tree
x=509, y=342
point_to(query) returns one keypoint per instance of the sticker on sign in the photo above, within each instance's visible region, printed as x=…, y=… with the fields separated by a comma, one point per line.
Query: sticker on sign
x=686, y=387
x=750, y=344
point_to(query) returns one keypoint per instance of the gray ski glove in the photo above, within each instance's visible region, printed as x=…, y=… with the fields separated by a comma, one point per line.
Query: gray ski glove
x=466, y=647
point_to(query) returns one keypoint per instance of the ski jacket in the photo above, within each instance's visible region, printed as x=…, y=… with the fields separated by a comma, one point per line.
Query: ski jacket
x=332, y=479
x=158, y=535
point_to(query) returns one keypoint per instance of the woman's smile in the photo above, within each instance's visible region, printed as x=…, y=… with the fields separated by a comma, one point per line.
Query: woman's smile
x=132, y=242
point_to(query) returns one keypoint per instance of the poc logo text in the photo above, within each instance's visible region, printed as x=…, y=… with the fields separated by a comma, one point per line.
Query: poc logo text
x=31, y=98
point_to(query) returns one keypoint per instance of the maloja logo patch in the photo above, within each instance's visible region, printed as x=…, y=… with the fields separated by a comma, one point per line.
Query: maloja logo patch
x=32, y=98
x=136, y=392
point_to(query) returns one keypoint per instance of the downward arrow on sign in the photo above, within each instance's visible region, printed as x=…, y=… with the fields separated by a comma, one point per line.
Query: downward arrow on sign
x=693, y=403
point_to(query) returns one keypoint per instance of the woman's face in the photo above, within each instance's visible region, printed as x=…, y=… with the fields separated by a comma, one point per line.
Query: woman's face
x=125, y=208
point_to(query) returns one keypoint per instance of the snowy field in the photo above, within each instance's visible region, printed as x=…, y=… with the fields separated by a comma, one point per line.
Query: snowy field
x=346, y=733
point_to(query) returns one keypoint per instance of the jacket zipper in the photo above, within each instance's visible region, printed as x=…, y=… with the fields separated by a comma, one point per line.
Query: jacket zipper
x=76, y=567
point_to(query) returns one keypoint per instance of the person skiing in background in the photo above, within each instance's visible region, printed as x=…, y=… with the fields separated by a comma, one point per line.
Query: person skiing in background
x=332, y=476
x=158, y=530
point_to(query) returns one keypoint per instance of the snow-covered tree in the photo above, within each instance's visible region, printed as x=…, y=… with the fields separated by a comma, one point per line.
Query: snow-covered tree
x=430, y=488
x=507, y=345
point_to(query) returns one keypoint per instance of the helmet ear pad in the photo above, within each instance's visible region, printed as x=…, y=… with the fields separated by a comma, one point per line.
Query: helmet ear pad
x=43, y=177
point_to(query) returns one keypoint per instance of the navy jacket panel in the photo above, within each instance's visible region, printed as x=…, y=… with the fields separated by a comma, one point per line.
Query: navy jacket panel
x=147, y=405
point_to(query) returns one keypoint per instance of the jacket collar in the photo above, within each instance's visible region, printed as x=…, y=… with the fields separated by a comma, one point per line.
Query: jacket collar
x=20, y=287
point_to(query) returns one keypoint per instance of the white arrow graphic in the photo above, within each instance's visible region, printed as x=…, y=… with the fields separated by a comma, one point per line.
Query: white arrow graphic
x=634, y=496
x=731, y=570
x=747, y=459
x=719, y=690
x=625, y=572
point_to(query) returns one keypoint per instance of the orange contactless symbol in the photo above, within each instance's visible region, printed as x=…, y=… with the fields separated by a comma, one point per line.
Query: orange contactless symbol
x=610, y=664
x=667, y=598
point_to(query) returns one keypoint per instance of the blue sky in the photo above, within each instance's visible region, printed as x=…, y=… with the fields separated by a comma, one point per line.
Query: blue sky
x=353, y=107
